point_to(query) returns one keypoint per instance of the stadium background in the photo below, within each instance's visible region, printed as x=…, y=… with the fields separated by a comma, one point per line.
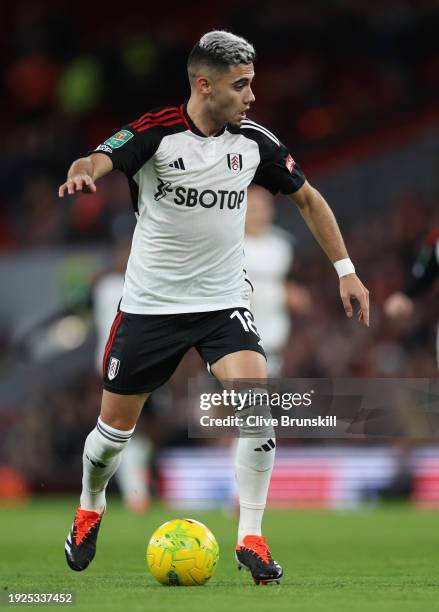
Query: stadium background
x=351, y=88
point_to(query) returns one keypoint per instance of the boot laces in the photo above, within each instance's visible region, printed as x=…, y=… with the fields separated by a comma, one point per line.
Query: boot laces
x=84, y=521
x=257, y=545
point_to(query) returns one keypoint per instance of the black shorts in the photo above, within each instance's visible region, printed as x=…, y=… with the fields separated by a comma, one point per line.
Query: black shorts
x=143, y=351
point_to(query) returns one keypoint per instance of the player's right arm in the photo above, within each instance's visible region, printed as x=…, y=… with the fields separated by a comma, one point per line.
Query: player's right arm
x=84, y=172
x=128, y=150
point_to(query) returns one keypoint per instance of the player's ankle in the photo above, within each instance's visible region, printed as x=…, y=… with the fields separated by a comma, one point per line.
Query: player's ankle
x=92, y=502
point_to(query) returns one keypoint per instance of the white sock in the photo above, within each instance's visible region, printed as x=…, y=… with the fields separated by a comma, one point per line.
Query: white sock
x=102, y=454
x=253, y=468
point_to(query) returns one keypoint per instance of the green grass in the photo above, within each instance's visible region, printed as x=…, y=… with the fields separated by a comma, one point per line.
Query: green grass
x=385, y=559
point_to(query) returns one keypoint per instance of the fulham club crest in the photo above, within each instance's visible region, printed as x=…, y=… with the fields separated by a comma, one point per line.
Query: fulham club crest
x=113, y=368
x=234, y=161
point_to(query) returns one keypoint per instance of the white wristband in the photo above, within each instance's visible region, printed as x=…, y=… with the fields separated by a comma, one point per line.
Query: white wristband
x=344, y=267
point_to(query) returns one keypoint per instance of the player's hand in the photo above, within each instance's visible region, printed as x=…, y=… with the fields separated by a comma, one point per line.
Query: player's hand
x=398, y=306
x=352, y=288
x=78, y=182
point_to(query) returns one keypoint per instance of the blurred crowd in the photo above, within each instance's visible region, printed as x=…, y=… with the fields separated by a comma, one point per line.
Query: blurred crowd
x=327, y=73
x=384, y=250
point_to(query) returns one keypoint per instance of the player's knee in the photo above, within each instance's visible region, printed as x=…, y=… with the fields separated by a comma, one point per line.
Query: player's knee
x=121, y=411
x=253, y=410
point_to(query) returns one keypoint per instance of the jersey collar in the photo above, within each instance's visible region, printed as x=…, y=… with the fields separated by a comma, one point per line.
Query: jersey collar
x=194, y=128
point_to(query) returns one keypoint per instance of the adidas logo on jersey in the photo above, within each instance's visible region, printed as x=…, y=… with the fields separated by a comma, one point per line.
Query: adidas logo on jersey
x=178, y=163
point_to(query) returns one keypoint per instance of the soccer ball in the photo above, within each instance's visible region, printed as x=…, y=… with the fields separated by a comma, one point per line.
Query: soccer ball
x=182, y=552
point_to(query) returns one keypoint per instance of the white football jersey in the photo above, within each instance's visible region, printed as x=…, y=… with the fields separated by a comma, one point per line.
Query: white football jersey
x=189, y=193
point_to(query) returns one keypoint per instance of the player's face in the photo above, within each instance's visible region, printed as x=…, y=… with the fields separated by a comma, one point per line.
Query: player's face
x=232, y=94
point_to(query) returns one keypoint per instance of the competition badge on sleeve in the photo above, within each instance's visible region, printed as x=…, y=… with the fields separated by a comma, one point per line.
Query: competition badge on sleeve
x=119, y=139
x=289, y=163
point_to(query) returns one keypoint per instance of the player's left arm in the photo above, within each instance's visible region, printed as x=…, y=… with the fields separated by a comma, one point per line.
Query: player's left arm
x=323, y=225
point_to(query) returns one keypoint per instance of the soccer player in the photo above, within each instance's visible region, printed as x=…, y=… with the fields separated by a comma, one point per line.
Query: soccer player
x=188, y=169
x=424, y=273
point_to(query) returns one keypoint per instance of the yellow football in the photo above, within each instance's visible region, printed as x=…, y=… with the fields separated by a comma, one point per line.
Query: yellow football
x=182, y=552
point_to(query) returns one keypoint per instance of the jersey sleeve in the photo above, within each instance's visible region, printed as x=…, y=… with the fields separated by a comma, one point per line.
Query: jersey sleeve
x=277, y=170
x=129, y=149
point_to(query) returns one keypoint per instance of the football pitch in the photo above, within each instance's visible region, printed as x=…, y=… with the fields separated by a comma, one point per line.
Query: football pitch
x=382, y=559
